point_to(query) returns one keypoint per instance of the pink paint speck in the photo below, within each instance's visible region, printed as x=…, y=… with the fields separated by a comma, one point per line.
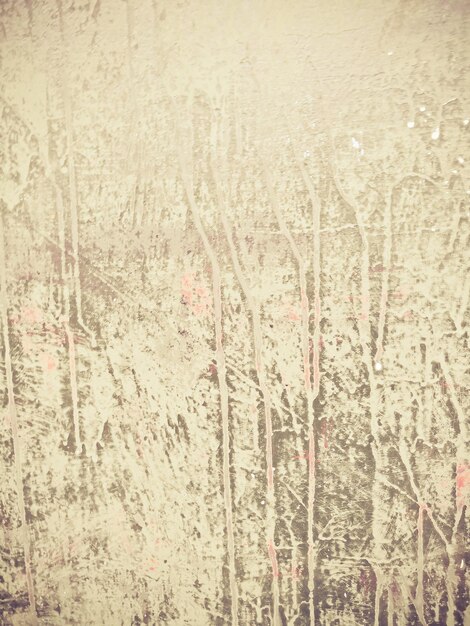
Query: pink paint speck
x=306, y=456
x=462, y=481
x=367, y=583
x=49, y=363
x=213, y=369
x=195, y=296
x=326, y=431
x=397, y=295
x=395, y=590
x=32, y=315
x=292, y=315
x=273, y=557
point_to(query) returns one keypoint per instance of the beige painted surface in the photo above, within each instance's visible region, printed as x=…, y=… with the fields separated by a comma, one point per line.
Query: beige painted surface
x=234, y=252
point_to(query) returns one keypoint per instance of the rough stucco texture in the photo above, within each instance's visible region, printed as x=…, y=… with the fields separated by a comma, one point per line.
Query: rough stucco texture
x=234, y=253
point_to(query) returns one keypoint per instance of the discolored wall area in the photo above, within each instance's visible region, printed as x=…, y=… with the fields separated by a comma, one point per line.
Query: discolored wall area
x=234, y=278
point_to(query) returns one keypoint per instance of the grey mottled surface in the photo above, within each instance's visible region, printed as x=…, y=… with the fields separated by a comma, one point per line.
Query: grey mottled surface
x=234, y=252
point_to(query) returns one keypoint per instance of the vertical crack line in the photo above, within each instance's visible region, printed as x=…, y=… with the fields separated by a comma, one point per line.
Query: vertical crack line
x=221, y=374
x=13, y=418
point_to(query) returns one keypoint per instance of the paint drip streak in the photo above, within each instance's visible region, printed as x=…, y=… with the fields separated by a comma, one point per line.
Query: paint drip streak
x=13, y=418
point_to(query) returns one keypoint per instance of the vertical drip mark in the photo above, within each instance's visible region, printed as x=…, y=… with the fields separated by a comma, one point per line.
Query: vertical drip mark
x=464, y=301
x=312, y=550
x=273, y=557
x=363, y=325
x=428, y=391
x=263, y=385
x=221, y=375
x=260, y=369
x=316, y=278
x=66, y=321
x=451, y=584
x=130, y=64
x=313, y=394
x=222, y=378
x=390, y=611
x=307, y=381
x=261, y=375
x=420, y=565
x=374, y=395
x=133, y=133
x=61, y=235
x=462, y=438
x=73, y=385
x=73, y=199
x=461, y=469
x=387, y=261
x=378, y=596
x=461, y=454
x=14, y=427
x=238, y=126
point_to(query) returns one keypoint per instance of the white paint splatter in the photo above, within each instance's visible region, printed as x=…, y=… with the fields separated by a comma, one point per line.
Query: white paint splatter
x=355, y=143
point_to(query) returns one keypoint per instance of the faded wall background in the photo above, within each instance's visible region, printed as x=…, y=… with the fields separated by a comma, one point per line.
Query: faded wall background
x=234, y=252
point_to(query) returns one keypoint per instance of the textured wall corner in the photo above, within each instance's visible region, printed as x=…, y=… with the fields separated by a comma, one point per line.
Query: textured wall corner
x=234, y=282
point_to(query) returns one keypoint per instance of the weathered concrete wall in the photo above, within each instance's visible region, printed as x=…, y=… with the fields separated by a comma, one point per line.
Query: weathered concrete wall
x=234, y=303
